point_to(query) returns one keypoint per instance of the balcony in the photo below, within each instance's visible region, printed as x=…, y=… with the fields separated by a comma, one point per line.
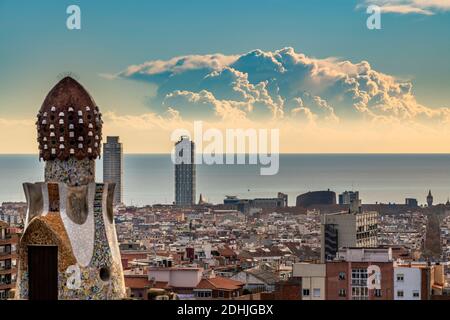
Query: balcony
x=10, y=285
x=8, y=270
x=6, y=255
x=6, y=240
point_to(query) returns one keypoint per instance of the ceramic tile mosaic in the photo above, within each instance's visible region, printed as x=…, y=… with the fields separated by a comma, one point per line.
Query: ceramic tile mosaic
x=53, y=197
x=73, y=172
x=81, y=235
x=56, y=228
x=70, y=210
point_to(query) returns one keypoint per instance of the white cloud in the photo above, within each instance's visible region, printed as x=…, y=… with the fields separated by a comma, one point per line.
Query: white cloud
x=269, y=85
x=405, y=9
x=424, y=7
x=225, y=109
x=179, y=65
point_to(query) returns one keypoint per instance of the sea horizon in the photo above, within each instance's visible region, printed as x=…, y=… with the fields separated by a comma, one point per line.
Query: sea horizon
x=281, y=153
x=149, y=178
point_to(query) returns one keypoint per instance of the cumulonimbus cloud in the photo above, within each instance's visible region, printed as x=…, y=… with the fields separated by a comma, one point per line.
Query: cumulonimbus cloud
x=282, y=84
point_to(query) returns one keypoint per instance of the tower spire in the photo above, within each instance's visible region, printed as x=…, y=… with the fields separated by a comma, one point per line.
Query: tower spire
x=429, y=199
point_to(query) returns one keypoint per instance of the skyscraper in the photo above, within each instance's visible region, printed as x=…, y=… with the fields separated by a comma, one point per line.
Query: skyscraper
x=113, y=165
x=184, y=172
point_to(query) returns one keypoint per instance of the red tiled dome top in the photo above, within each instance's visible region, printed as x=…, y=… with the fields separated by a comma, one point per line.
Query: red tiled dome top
x=69, y=123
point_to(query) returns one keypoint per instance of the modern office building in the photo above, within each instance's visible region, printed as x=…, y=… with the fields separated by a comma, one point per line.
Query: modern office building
x=411, y=202
x=244, y=205
x=8, y=260
x=185, y=172
x=347, y=229
x=113, y=166
x=316, y=198
x=348, y=197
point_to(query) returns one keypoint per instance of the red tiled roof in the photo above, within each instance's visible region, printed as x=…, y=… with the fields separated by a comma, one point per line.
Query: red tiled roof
x=133, y=255
x=220, y=283
x=142, y=282
x=226, y=252
x=175, y=269
x=137, y=281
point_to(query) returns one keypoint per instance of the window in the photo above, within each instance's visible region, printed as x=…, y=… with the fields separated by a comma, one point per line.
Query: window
x=306, y=292
x=203, y=294
x=342, y=293
x=341, y=276
x=359, y=277
x=359, y=284
x=400, y=277
x=316, y=293
x=400, y=293
x=360, y=293
x=377, y=293
x=220, y=294
x=416, y=294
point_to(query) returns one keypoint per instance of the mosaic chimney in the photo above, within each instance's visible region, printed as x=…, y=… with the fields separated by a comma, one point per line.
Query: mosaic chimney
x=69, y=127
x=69, y=247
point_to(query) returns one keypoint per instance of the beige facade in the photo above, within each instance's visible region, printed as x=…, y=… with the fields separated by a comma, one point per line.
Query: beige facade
x=313, y=280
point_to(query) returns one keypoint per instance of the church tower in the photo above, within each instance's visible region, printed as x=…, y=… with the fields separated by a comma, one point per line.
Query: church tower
x=429, y=199
x=69, y=247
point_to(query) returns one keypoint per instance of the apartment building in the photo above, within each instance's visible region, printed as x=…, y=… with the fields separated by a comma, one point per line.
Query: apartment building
x=347, y=229
x=313, y=280
x=418, y=280
x=8, y=260
x=348, y=275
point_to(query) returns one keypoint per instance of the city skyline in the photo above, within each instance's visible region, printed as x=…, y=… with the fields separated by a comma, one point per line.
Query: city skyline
x=237, y=151
x=299, y=71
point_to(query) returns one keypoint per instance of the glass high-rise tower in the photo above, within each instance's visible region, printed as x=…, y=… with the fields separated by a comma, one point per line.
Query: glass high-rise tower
x=184, y=172
x=113, y=166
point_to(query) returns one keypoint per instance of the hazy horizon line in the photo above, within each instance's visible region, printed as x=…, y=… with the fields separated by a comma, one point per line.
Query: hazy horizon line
x=281, y=153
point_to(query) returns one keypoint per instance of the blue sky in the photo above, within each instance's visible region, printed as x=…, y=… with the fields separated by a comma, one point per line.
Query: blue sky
x=36, y=46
